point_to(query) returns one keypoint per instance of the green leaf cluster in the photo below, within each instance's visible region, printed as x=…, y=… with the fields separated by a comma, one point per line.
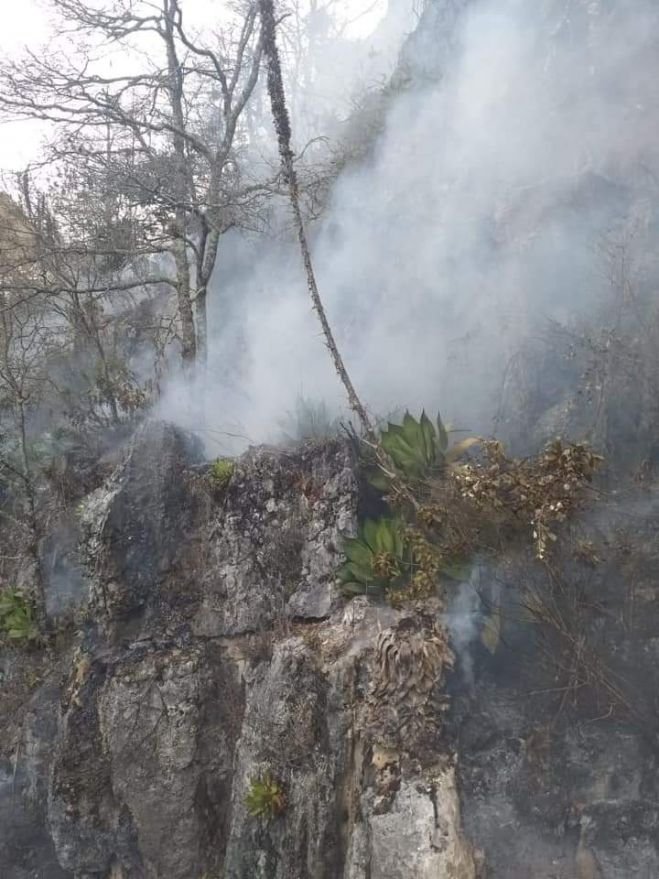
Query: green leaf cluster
x=221, y=472
x=265, y=797
x=17, y=621
x=376, y=560
x=417, y=449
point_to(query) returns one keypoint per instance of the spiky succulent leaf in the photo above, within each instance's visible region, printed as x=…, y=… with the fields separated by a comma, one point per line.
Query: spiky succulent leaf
x=413, y=435
x=411, y=430
x=442, y=434
x=359, y=573
x=413, y=446
x=377, y=478
x=351, y=588
x=417, y=449
x=391, y=438
x=384, y=537
x=406, y=458
x=369, y=534
x=429, y=435
x=356, y=551
x=394, y=429
x=363, y=572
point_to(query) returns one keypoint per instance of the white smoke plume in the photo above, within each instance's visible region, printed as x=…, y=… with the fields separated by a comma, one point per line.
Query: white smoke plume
x=464, y=621
x=476, y=216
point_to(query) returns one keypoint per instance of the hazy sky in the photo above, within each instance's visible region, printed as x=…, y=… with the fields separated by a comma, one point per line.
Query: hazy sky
x=30, y=25
x=26, y=26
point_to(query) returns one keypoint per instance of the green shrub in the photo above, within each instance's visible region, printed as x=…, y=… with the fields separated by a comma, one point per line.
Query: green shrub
x=265, y=797
x=376, y=560
x=221, y=472
x=418, y=449
x=392, y=559
x=17, y=621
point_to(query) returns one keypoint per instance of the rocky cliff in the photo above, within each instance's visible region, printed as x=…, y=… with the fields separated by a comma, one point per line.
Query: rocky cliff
x=203, y=645
x=210, y=649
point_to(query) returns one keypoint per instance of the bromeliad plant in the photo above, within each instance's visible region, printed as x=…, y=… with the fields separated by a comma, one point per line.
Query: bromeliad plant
x=417, y=450
x=449, y=509
x=265, y=797
x=377, y=560
x=221, y=472
x=393, y=560
x=17, y=621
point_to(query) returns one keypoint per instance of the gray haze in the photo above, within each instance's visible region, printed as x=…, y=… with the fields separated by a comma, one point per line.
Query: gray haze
x=478, y=215
x=464, y=619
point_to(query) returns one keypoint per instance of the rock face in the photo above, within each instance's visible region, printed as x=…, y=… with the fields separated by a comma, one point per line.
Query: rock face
x=210, y=647
x=557, y=731
x=213, y=648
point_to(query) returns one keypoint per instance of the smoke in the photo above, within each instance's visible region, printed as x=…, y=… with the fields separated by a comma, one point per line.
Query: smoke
x=464, y=621
x=65, y=580
x=475, y=217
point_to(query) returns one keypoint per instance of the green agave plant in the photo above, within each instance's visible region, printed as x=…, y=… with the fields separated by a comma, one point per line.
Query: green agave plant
x=417, y=449
x=16, y=616
x=376, y=560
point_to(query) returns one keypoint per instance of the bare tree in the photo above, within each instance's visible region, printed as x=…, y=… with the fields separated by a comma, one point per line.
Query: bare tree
x=282, y=124
x=283, y=128
x=148, y=137
x=71, y=251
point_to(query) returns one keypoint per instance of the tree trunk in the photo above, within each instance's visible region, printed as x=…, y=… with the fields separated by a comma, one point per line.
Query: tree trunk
x=283, y=128
x=184, y=191
x=186, y=316
x=282, y=124
x=201, y=326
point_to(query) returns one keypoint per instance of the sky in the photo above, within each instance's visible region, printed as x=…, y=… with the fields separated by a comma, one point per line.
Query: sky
x=28, y=25
x=31, y=26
